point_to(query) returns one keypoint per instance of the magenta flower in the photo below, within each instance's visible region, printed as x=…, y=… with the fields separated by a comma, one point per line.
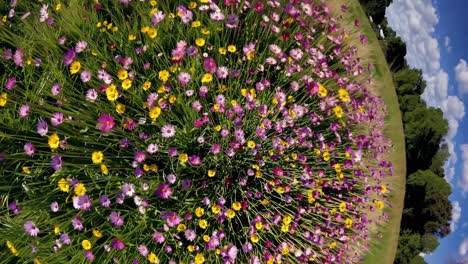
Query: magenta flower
x=89, y=255
x=11, y=81
x=190, y=235
x=210, y=65
x=117, y=244
x=18, y=57
x=31, y=229
x=194, y=160
x=56, y=119
x=184, y=78
x=140, y=156
x=29, y=149
x=56, y=162
x=69, y=57
x=168, y=131
x=82, y=202
x=104, y=201
x=159, y=237
x=116, y=219
x=56, y=89
x=105, y=123
x=77, y=224
x=164, y=191
x=173, y=219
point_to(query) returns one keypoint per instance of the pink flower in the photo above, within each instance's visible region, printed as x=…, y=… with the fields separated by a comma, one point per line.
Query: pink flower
x=31, y=229
x=184, y=78
x=105, y=123
x=168, y=131
x=24, y=110
x=164, y=191
x=56, y=119
x=159, y=237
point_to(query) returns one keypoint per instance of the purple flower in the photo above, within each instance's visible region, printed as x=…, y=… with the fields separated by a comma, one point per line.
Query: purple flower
x=42, y=127
x=14, y=208
x=56, y=119
x=128, y=189
x=159, y=237
x=184, y=78
x=157, y=18
x=105, y=123
x=85, y=76
x=69, y=57
x=164, y=191
x=173, y=219
x=232, y=21
x=56, y=89
x=89, y=255
x=31, y=228
x=65, y=239
x=7, y=54
x=54, y=206
x=143, y=250
x=56, y=162
x=82, y=202
x=117, y=244
x=171, y=178
x=77, y=224
x=190, y=235
x=29, y=149
x=18, y=57
x=140, y=156
x=229, y=254
x=11, y=81
x=116, y=219
x=168, y=131
x=104, y=201
x=194, y=160
x=173, y=152
x=80, y=46
x=210, y=65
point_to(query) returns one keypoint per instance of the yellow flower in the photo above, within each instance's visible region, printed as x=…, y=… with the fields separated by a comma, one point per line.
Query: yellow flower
x=333, y=245
x=97, y=157
x=97, y=233
x=58, y=7
x=131, y=37
x=120, y=108
x=86, y=244
x=284, y=228
x=236, y=206
x=75, y=67
x=342, y=207
x=348, y=222
x=343, y=95
x=196, y=24
x=254, y=238
x=152, y=33
x=206, y=238
x=205, y=31
x=232, y=48
x=80, y=189
x=172, y=99
x=54, y=141
x=56, y=230
x=153, y=2
x=191, y=248
x=250, y=144
x=326, y=156
x=126, y=84
x=104, y=169
x=230, y=213
x=154, y=112
x=199, y=212
x=338, y=111
x=144, y=29
x=199, y=259
x=322, y=92
x=152, y=258
x=215, y=209
x=63, y=185
x=192, y=5
x=203, y=224
x=287, y=220
x=37, y=261
x=207, y=77
x=26, y=170
x=222, y=51
x=259, y=225
x=200, y=42
x=112, y=93
x=146, y=85
x=383, y=189
x=181, y=227
x=3, y=99
x=122, y=74
x=211, y=173
x=379, y=204
x=183, y=157
x=164, y=75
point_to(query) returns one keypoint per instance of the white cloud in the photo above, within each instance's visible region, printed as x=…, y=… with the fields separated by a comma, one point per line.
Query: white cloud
x=463, y=182
x=415, y=23
x=447, y=44
x=463, y=249
x=461, y=74
x=456, y=214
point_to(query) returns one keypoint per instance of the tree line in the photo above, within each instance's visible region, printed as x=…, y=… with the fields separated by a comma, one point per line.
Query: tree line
x=427, y=209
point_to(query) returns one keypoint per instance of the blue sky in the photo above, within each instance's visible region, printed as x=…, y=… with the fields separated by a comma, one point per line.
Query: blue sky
x=436, y=35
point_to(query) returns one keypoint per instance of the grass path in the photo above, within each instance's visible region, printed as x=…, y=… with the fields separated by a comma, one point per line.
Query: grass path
x=382, y=249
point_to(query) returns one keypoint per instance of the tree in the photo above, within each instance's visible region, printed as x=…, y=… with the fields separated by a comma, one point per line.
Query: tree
x=376, y=9
x=438, y=161
x=429, y=243
x=424, y=130
x=418, y=260
x=395, y=53
x=409, y=245
x=409, y=81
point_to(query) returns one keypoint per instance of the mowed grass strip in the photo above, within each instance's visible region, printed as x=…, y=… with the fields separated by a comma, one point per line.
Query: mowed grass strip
x=383, y=244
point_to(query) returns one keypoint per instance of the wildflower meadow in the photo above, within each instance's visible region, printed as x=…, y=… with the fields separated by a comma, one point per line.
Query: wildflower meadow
x=203, y=131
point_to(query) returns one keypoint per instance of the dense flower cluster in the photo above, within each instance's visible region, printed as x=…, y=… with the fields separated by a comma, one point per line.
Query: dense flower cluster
x=193, y=132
